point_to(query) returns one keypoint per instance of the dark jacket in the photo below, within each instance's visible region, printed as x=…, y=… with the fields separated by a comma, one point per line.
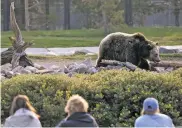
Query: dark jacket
x=78, y=119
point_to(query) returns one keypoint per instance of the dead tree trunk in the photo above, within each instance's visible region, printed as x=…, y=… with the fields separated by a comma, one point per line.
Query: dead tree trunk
x=105, y=63
x=166, y=64
x=16, y=55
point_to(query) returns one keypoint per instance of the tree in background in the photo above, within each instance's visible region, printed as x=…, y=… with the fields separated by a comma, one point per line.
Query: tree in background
x=89, y=9
x=142, y=8
x=66, y=14
x=5, y=11
x=47, y=13
x=101, y=13
x=176, y=7
x=128, y=12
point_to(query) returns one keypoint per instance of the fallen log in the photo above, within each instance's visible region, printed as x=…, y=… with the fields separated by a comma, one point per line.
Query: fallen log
x=132, y=67
x=129, y=65
x=166, y=64
x=16, y=55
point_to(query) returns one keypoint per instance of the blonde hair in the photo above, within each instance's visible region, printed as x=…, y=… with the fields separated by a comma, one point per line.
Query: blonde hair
x=76, y=103
x=143, y=112
x=22, y=101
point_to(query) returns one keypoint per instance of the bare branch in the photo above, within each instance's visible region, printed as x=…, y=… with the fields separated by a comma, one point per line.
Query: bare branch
x=14, y=26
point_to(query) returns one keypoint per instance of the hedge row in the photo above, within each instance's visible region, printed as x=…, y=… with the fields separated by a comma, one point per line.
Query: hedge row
x=115, y=97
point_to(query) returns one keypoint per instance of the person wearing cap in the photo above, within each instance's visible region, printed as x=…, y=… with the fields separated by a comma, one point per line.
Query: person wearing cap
x=151, y=116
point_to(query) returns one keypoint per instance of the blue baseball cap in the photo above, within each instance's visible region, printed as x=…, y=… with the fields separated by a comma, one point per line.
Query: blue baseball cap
x=150, y=104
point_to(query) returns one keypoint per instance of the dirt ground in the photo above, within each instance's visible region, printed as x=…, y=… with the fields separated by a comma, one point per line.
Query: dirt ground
x=61, y=63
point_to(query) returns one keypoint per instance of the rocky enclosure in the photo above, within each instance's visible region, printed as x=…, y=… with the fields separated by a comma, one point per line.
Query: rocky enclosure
x=84, y=67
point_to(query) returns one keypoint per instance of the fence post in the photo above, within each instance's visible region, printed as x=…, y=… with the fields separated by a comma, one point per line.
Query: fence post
x=6, y=15
x=66, y=14
x=128, y=12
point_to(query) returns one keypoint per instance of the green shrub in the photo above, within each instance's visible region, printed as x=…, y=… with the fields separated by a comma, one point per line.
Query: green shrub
x=115, y=97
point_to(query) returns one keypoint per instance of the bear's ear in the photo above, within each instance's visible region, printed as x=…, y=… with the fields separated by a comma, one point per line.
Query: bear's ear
x=139, y=37
x=149, y=47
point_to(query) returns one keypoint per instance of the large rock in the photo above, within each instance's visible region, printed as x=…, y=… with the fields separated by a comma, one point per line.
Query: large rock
x=3, y=78
x=39, y=67
x=25, y=71
x=6, y=67
x=18, y=69
x=87, y=62
x=160, y=69
x=71, y=67
x=109, y=67
x=54, y=67
x=32, y=69
x=9, y=74
x=81, y=68
x=169, y=69
x=92, y=70
x=66, y=70
x=45, y=71
x=17, y=73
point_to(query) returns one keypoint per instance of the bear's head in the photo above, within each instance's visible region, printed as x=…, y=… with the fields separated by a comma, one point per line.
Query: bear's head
x=146, y=49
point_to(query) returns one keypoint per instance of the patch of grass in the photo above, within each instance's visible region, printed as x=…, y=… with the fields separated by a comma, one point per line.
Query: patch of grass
x=92, y=37
x=172, y=56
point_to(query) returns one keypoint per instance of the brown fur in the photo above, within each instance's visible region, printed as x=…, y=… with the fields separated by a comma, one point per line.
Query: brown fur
x=125, y=47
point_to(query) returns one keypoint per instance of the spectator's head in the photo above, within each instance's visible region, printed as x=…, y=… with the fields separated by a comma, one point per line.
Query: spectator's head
x=21, y=101
x=76, y=103
x=150, y=106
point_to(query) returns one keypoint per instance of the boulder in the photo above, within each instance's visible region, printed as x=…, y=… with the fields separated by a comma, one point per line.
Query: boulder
x=92, y=70
x=9, y=74
x=39, y=67
x=17, y=73
x=169, y=69
x=66, y=70
x=72, y=66
x=109, y=67
x=25, y=71
x=32, y=69
x=45, y=71
x=6, y=67
x=81, y=68
x=160, y=69
x=54, y=67
x=18, y=69
x=87, y=62
x=3, y=78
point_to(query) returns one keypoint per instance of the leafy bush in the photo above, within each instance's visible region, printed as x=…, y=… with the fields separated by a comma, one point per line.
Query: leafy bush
x=115, y=97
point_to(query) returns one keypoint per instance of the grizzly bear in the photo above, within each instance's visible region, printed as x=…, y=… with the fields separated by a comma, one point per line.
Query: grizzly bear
x=134, y=48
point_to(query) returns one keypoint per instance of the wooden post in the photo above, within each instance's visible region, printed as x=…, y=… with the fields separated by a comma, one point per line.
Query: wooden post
x=27, y=19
